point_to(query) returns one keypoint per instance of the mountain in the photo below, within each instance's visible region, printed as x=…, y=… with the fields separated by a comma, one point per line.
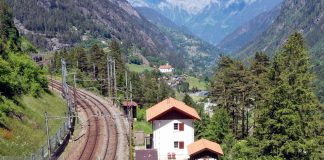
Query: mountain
x=306, y=17
x=156, y=18
x=210, y=20
x=55, y=24
x=198, y=54
x=249, y=31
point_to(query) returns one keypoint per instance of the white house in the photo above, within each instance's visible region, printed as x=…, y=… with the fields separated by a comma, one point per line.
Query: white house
x=173, y=130
x=166, y=68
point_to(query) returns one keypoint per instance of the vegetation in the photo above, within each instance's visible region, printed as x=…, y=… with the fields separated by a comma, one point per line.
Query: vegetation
x=23, y=93
x=138, y=68
x=196, y=83
x=27, y=126
x=19, y=75
x=267, y=110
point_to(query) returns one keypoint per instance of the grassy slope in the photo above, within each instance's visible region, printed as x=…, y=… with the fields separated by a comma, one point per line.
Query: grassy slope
x=138, y=68
x=28, y=135
x=143, y=126
x=195, y=82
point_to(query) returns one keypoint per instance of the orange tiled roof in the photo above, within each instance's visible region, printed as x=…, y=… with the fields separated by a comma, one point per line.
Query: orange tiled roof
x=168, y=104
x=165, y=67
x=203, y=144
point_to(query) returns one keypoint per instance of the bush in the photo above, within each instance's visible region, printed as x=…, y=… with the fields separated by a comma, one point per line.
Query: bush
x=141, y=114
x=134, y=59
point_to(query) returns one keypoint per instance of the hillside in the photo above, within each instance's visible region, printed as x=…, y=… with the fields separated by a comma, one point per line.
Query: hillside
x=24, y=96
x=56, y=24
x=198, y=54
x=249, y=31
x=306, y=17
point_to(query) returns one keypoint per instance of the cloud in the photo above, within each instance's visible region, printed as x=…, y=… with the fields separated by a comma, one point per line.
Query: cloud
x=230, y=2
x=192, y=6
x=249, y=1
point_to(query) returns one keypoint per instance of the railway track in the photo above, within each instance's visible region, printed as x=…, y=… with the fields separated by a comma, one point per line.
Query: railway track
x=101, y=134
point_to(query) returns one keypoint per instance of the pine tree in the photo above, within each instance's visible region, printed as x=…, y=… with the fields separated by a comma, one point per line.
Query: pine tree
x=289, y=121
x=218, y=126
x=189, y=101
x=83, y=60
x=116, y=53
x=260, y=67
x=201, y=126
x=99, y=62
x=231, y=88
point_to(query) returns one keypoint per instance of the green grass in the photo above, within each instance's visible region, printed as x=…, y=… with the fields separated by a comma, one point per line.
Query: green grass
x=28, y=135
x=197, y=98
x=143, y=126
x=179, y=95
x=195, y=82
x=138, y=68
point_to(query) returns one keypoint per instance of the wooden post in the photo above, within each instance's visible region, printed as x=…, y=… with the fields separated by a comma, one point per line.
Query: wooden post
x=47, y=134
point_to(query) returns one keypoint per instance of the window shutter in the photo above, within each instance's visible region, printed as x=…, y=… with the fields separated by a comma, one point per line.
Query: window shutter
x=181, y=145
x=181, y=127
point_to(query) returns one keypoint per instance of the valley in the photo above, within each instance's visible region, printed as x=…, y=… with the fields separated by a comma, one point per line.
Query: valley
x=165, y=79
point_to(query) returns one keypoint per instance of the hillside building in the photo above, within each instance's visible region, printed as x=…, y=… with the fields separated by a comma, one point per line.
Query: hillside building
x=166, y=68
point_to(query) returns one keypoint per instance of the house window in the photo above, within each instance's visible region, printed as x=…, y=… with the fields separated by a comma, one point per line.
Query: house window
x=176, y=144
x=178, y=126
x=179, y=144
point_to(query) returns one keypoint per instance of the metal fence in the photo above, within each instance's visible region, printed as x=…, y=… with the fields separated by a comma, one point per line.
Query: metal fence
x=43, y=153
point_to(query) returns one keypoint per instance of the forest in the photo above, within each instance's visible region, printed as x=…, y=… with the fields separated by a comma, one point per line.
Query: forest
x=267, y=109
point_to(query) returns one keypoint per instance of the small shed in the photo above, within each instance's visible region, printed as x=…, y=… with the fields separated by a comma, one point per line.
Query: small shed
x=149, y=154
x=130, y=107
x=205, y=149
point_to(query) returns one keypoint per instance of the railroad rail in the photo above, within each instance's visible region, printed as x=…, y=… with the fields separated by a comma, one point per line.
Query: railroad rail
x=101, y=135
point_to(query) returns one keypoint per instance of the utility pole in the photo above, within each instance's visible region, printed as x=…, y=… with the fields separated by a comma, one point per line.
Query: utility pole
x=108, y=77
x=66, y=92
x=131, y=91
x=51, y=71
x=111, y=78
x=94, y=71
x=63, y=76
x=47, y=134
x=74, y=90
x=115, y=81
x=126, y=93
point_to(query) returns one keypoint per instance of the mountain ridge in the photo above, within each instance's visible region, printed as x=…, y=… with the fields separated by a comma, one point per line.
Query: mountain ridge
x=199, y=54
x=248, y=31
x=47, y=23
x=215, y=19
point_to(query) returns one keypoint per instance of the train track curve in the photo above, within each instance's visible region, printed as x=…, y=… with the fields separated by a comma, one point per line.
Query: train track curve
x=103, y=138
